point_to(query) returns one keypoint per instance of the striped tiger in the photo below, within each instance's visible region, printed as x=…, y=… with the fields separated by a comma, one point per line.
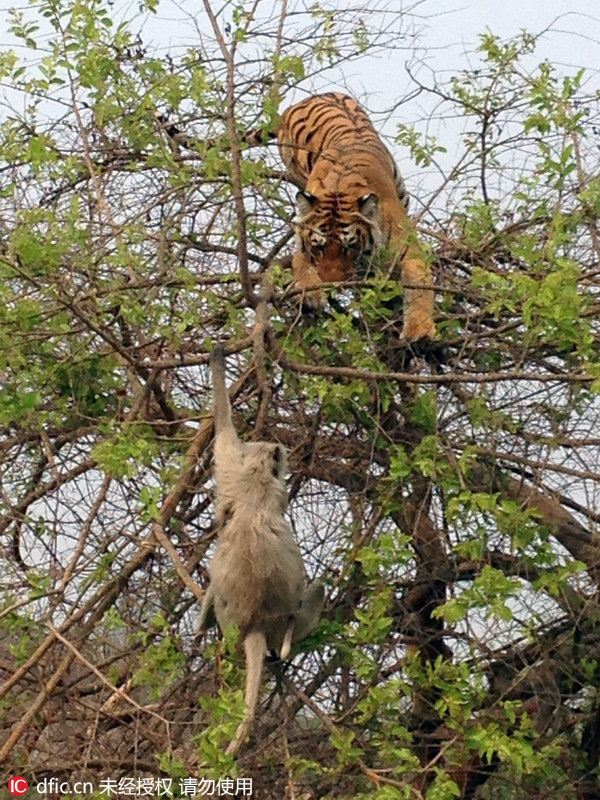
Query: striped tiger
x=353, y=201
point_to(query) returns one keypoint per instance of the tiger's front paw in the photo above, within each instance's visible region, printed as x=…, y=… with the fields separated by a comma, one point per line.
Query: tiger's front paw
x=415, y=330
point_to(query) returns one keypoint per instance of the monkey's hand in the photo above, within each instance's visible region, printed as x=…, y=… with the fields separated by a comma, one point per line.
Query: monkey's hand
x=217, y=357
x=207, y=616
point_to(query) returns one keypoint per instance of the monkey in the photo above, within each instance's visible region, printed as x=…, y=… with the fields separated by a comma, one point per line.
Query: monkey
x=257, y=572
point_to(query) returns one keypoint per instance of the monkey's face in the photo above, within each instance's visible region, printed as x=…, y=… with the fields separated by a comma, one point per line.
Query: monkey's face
x=265, y=460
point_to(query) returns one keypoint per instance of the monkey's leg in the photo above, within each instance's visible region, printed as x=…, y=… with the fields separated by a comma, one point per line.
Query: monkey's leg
x=255, y=645
x=309, y=613
x=286, y=646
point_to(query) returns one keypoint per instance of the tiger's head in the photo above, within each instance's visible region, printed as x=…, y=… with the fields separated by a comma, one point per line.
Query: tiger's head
x=336, y=233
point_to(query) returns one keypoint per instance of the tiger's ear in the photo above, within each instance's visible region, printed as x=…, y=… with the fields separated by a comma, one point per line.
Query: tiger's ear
x=305, y=202
x=368, y=205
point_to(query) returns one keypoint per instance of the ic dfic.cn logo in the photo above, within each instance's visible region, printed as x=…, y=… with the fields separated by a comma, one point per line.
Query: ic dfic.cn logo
x=17, y=786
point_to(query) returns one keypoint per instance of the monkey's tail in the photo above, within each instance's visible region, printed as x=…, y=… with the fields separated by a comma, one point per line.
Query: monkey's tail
x=255, y=646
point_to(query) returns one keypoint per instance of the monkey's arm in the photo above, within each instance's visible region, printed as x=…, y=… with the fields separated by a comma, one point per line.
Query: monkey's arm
x=207, y=617
x=221, y=406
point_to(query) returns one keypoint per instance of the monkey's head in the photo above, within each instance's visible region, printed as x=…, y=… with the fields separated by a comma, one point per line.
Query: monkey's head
x=265, y=461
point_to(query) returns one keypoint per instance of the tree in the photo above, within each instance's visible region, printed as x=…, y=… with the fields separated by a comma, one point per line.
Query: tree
x=450, y=498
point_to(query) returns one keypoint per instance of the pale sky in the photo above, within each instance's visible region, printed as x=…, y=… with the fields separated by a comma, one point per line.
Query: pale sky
x=446, y=36
x=451, y=28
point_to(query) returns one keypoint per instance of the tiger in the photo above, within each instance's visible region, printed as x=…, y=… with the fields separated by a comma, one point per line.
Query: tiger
x=352, y=202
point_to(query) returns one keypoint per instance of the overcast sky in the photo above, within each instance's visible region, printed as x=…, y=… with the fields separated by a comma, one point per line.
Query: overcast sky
x=575, y=25
x=446, y=34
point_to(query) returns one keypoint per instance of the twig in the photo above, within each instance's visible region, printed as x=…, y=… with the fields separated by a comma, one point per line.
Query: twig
x=236, y=173
x=37, y=704
x=85, y=530
x=373, y=775
x=450, y=377
x=261, y=327
x=103, y=679
x=161, y=537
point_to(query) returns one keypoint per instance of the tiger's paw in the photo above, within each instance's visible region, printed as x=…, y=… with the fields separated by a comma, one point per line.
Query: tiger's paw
x=418, y=330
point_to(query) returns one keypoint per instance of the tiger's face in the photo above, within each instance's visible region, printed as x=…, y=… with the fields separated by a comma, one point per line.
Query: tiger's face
x=337, y=233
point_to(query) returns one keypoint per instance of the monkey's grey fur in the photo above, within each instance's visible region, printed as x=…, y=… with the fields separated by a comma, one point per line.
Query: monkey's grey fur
x=257, y=573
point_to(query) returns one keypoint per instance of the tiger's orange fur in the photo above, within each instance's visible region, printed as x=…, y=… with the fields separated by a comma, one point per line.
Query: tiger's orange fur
x=353, y=202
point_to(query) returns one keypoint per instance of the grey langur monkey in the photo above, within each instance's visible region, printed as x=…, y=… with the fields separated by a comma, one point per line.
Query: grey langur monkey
x=257, y=573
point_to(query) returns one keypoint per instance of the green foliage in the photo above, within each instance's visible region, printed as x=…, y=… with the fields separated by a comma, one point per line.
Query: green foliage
x=385, y=553
x=423, y=411
x=160, y=664
x=374, y=625
x=225, y=711
x=125, y=453
x=451, y=508
x=22, y=628
x=490, y=591
x=443, y=787
x=150, y=497
x=171, y=766
x=347, y=752
x=422, y=148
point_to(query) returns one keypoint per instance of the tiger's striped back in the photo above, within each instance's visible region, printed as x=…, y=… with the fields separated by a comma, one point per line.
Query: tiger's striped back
x=352, y=202
x=328, y=122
